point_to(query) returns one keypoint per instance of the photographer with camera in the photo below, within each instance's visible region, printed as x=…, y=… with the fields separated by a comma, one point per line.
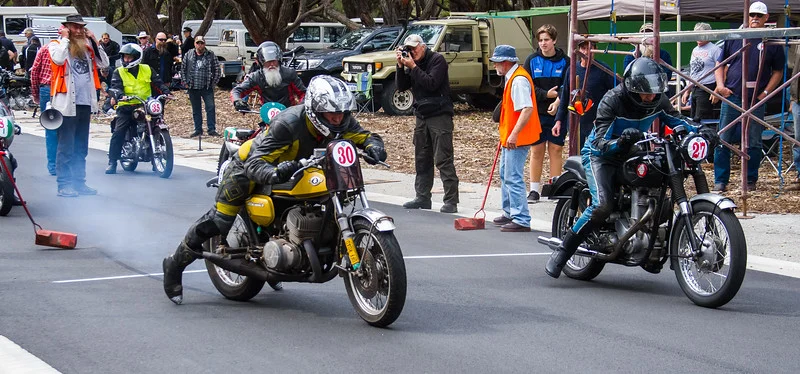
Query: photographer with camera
x=425, y=73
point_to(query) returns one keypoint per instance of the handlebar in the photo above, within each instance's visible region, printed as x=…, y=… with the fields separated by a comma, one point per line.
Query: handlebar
x=317, y=161
x=143, y=101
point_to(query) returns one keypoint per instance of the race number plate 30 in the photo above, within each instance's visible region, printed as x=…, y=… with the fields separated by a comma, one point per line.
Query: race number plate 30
x=344, y=154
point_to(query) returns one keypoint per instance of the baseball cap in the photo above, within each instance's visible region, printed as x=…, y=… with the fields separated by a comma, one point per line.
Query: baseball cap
x=758, y=7
x=646, y=27
x=504, y=52
x=413, y=40
x=199, y=38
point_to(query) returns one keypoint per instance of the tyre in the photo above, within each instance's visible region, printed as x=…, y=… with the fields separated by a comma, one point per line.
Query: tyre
x=163, y=157
x=482, y=101
x=578, y=267
x=6, y=190
x=129, y=159
x=394, y=102
x=231, y=285
x=380, y=293
x=224, y=154
x=712, y=279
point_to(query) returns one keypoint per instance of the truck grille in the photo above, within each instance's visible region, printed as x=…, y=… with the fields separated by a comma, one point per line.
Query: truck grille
x=358, y=68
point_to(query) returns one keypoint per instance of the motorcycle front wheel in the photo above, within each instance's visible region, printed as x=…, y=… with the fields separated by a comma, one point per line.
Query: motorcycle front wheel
x=379, y=294
x=6, y=190
x=231, y=285
x=162, y=156
x=714, y=277
x=578, y=267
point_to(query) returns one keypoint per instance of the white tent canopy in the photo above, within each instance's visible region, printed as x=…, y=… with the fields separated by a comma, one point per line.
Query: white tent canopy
x=599, y=9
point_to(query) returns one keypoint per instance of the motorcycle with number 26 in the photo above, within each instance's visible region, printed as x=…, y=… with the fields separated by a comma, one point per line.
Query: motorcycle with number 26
x=703, y=239
x=310, y=229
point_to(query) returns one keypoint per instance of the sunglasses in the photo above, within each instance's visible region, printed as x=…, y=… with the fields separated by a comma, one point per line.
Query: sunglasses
x=756, y=15
x=162, y=40
x=199, y=42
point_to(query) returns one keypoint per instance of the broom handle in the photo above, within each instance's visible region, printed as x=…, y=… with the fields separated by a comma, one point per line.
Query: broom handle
x=11, y=178
x=491, y=175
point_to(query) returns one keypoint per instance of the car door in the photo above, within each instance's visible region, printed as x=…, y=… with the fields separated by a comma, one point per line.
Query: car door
x=461, y=49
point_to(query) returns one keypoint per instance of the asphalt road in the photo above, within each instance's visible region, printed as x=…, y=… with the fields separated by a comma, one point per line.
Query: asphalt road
x=463, y=314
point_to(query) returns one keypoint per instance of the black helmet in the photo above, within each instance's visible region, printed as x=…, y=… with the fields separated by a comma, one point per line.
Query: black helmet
x=326, y=94
x=268, y=51
x=644, y=76
x=131, y=49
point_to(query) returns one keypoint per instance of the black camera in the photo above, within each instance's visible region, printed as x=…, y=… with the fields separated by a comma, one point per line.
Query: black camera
x=404, y=53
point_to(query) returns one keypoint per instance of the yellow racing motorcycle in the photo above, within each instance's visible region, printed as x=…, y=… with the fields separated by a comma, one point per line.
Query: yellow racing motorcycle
x=310, y=229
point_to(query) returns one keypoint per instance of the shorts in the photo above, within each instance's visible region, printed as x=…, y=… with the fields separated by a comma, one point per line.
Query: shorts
x=548, y=122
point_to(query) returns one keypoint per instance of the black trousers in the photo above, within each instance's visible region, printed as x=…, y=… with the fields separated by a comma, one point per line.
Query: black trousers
x=701, y=104
x=433, y=145
x=123, y=124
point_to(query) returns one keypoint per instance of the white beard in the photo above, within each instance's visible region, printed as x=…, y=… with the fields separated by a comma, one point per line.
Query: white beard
x=272, y=76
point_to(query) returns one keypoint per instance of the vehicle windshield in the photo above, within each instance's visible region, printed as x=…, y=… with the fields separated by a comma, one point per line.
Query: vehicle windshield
x=429, y=33
x=352, y=39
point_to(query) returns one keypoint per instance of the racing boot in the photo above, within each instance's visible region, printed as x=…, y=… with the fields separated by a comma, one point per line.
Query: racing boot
x=173, y=271
x=561, y=255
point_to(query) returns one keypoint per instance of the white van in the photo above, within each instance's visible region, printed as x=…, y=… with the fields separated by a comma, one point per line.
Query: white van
x=214, y=32
x=316, y=35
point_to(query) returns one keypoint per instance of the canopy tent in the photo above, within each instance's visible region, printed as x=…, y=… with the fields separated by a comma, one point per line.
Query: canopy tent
x=598, y=9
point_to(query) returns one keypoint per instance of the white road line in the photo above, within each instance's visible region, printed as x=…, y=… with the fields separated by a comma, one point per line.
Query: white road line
x=121, y=277
x=472, y=256
x=16, y=360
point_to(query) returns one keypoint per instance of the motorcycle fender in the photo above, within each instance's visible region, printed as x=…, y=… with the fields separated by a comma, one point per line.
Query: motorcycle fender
x=561, y=188
x=163, y=126
x=380, y=220
x=722, y=202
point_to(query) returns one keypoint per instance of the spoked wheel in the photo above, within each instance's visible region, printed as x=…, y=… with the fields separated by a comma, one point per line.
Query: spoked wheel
x=6, y=190
x=231, y=285
x=379, y=294
x=129, y=159
x=162, y=155
x=578, y=267
x=712, y=278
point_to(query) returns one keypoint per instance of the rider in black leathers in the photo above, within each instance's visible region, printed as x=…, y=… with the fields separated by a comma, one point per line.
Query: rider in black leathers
x=272, y=159
x=273, y=81
x=622, y=115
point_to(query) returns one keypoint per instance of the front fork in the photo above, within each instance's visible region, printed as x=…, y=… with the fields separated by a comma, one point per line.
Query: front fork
x=679, y=195
x=347, y=232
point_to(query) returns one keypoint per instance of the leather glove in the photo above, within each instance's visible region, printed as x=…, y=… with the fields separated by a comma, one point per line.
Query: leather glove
x=240, y=105
x=377, y=153
x=283, y=172
x=711, y=135
x=629, y=137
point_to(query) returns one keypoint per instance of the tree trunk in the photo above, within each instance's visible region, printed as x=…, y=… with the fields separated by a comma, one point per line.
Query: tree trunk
x=211, y=11
x=338, y=16
x=145, y=15
x=359, y=9
x=175, y=9
x=394, y=11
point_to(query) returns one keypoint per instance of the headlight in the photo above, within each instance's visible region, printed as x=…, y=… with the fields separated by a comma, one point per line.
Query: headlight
x=313, y=63
x=346, y=67
x=369, y=68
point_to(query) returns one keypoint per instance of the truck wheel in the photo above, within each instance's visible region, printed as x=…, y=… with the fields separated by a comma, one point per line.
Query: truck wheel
x=483, y=101
x=394, y=102
x=226, y=83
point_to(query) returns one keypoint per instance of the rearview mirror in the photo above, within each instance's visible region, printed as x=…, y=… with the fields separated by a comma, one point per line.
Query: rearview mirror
x=369, y=47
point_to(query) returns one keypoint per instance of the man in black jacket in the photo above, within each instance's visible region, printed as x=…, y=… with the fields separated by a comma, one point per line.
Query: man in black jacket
x=188, y=41
x=273, y=82
x=271, y=159
x=425, y=73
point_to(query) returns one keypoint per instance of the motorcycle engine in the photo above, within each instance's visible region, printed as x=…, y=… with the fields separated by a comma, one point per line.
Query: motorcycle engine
x=306, y=223
x=282, y=255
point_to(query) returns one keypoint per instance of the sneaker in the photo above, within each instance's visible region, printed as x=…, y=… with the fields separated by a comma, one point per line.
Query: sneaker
x=67, y=192
x=213, y=133
x=112, y=168
x=502, y=220
x=514, y=227
x=719, y=187
x=533, y=197
x=449, y=208
x=85, y=190
x=196, y=134
x=418, y=203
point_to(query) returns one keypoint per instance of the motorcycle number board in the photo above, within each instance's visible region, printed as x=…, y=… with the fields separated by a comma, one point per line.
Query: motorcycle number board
x=5, y=129
x=344, y=154
x=154, y=107
x=697, y=148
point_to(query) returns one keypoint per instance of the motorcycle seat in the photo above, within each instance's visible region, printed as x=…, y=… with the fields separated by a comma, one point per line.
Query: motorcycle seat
x=244, y=134
x=575, y=164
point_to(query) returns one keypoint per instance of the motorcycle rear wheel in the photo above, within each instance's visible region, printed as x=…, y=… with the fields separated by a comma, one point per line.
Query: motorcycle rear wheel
x=130, y=162
x=380, y=293
x=231, y=285
x=6, y=190
x=578, y=267
x=163, y=157
x=714, y=278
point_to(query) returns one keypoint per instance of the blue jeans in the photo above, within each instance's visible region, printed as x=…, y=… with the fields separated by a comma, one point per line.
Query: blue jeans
x=73, y=146
x=207, y=95
x=796, y=149
x=50, y=136
x=722, y=155
x=512, y=185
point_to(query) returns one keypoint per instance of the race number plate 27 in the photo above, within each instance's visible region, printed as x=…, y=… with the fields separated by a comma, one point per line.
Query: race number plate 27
x=697, y=148
x=344, y=154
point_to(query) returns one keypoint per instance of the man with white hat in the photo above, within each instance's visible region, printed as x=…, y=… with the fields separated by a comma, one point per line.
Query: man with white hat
x=519, y=129
x=144, y=40
x=729, y=85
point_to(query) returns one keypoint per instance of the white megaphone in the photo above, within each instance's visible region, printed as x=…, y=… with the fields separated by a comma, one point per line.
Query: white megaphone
x=51, y=118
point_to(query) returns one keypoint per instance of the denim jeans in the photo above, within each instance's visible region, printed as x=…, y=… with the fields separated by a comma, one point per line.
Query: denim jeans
x=50, y=136
x=73, y=146
x=722, y=155
x=512, y=185
x=796, y=149
x=207, y=95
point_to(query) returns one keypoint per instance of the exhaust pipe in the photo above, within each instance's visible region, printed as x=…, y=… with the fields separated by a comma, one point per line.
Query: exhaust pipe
x=238, y=266
x=554, y=243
